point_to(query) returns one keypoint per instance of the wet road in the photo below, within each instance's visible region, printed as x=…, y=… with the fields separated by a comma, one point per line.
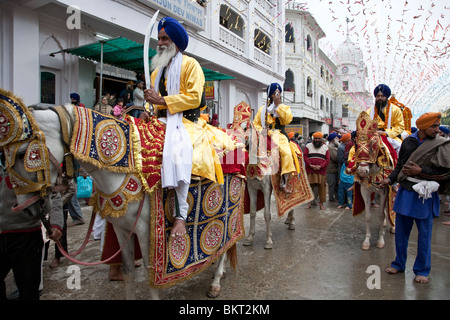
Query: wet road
x=321, y=259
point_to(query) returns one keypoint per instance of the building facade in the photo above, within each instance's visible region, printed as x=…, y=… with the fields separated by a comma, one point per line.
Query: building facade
x=242, y=39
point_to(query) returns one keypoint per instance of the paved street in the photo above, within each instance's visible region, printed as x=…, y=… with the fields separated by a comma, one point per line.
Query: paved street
x=321, y=259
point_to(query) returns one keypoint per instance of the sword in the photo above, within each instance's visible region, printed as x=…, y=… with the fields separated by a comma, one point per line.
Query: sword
x=146, y=60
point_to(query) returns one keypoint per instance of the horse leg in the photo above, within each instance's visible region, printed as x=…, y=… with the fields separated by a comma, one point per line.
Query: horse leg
x=382, y=217
x=365, y=193
x=214, y=289
x=253, y=195
x=267, y=217
x=142, y=232
x=290, y=220
x=127, y=261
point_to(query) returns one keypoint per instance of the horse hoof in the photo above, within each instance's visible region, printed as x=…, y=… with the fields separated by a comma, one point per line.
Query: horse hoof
x=292, y=226
x=214, y=292
x=392, y=230
x=365, y=247
x=268, y=246
x=380, y=245
x=247, y=243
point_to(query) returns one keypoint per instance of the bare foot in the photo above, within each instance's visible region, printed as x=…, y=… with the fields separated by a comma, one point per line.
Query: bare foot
x=421, y=279
x=392, y=270
x=179, y=228
x=446, y=223
x=308, y=206
x=322, y=207
x=340, y=207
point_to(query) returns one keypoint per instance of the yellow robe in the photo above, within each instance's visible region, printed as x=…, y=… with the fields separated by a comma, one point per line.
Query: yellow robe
x=285, y=116
x=397, y=123
x=205, y=139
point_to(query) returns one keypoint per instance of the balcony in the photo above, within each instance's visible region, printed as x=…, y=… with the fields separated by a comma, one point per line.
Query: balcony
x=231, y=40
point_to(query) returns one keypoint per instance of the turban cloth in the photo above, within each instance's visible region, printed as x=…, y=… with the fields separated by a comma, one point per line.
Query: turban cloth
x=290, y=135
x=427, y=119
x=384, y=89
x=346, y=137
x=444, y=130
x=318, y=134
x=272, y=88
x=413, y=129
x=75, y=96
x=175, y=31
x=332, y=136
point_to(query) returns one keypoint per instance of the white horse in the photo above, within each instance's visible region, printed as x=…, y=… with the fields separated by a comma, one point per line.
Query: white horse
x=364, y=171
x=108, y=182
x=264, y=184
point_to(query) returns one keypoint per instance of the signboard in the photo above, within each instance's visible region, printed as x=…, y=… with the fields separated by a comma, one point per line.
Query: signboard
x=188, y=11
x=209, y=90
x=337, y=123
x=294, y=128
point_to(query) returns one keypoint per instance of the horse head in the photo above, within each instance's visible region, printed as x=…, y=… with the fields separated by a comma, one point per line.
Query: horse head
x=33, y=154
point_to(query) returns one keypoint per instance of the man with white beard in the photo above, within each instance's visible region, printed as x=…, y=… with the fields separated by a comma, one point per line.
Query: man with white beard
x=176, y=92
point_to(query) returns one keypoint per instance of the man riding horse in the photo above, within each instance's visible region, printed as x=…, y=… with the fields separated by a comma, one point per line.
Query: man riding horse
x=274, y=116
x=176, y=91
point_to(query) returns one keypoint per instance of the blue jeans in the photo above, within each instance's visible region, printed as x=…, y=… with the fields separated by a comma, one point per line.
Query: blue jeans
x=345, y=196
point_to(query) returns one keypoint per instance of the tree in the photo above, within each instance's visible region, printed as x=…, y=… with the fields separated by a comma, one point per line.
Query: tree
x=445, y=119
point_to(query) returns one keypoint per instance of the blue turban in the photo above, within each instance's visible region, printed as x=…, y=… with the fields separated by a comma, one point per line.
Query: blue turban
x=332, y=136
x=75, y=96
x=272, y=88
x=444, y=130
x=413, y=129
x=175, y=31
x=384, y=89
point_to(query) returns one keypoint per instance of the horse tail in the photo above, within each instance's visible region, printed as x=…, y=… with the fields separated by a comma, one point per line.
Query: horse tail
x=232, y=257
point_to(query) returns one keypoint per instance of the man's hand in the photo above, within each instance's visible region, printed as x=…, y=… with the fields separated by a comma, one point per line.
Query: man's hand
x=151, y=96
x=56, y=234
x=386, y=182
x=179, y=228
x=411, y=169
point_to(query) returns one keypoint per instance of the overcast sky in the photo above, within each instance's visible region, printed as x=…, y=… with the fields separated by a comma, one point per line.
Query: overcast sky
x=405, y=44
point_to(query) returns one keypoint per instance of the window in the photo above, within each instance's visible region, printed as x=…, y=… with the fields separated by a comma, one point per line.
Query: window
x=308, y=43
x=327, y=104
x=231, y=20
x=309, y=87
x=48, y=87
x=321, y=72
x=321, y=102
x=345, y=111
x=262, y=41
x=289, y=33
x=345, y=85
x=289, y=85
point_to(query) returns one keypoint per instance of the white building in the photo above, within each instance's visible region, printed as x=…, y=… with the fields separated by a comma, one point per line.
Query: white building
x=324, y=93
x=242, y=39
x=351, y=75
x=309, y=73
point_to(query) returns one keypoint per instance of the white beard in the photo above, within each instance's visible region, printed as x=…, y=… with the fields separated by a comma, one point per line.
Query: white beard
x=163, y=56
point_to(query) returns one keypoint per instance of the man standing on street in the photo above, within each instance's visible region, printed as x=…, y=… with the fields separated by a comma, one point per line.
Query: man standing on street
x=317, y=157
x=423, y=170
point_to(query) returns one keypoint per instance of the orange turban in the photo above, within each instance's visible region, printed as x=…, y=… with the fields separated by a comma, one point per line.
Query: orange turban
x=427, y=119
x=290, y=135
x=318, y=134
x=346, y=137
